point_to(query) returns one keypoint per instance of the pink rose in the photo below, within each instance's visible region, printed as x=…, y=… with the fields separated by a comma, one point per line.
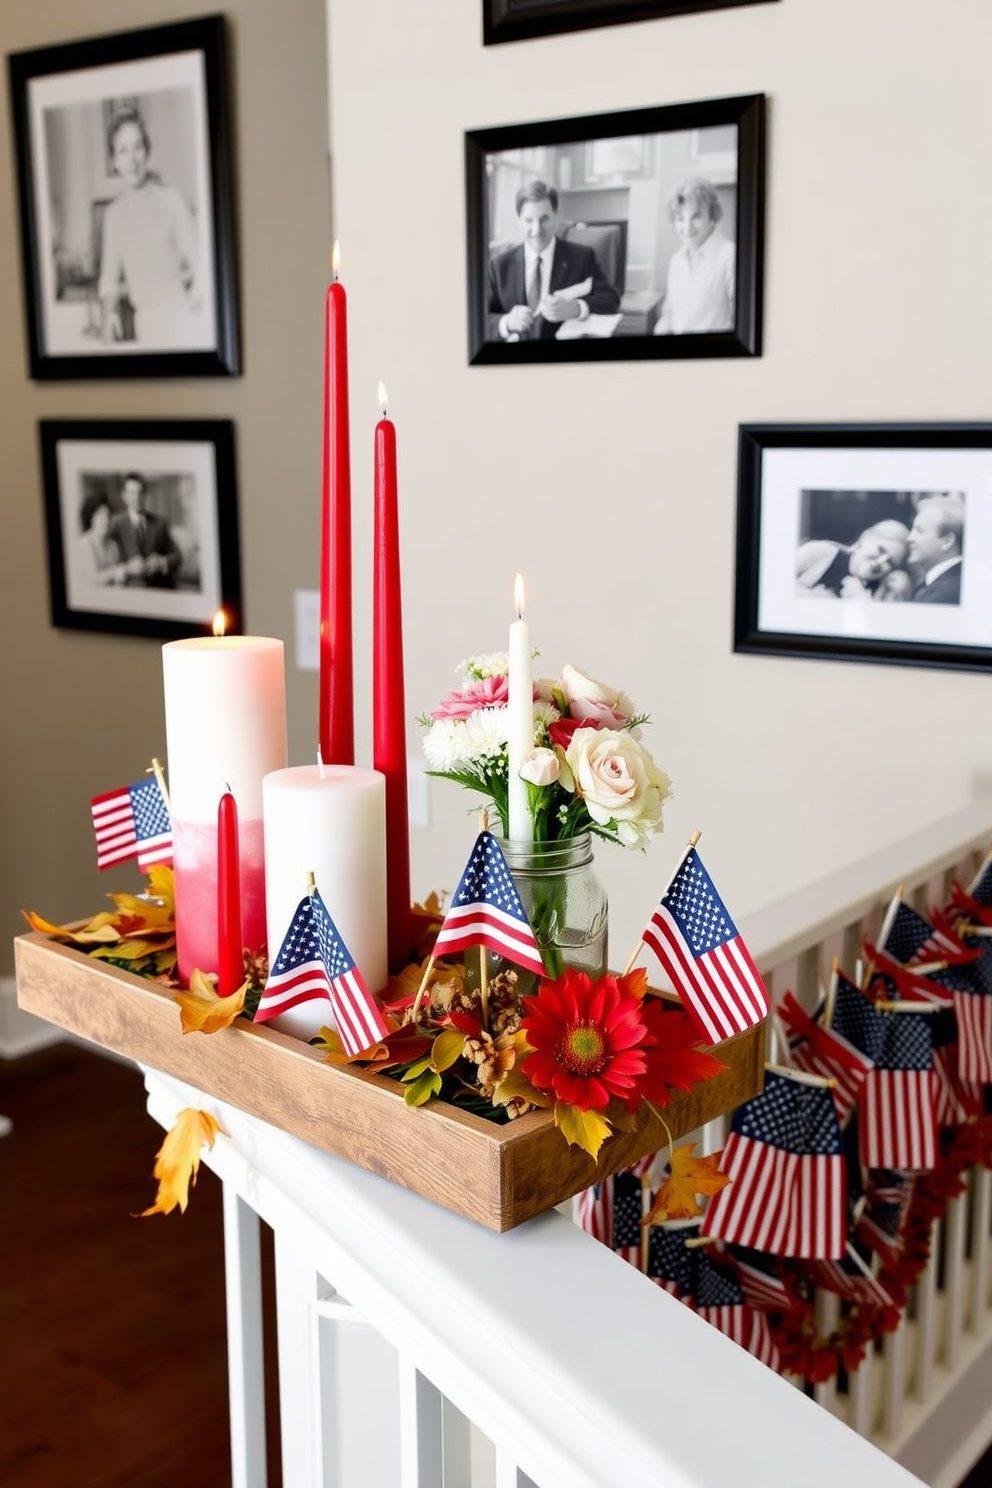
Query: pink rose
x=540, y=767
x=594, y=703
x=491, y=692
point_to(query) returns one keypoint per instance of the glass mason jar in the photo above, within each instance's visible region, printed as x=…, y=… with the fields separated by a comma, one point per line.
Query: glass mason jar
x=565, y=903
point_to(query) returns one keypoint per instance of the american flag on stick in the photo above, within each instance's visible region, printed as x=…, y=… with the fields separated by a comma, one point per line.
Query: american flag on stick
x=720, y=1301
x=879, y=1225
x=671, y=1265
x=133, y=822
x=486, y=910
x=785, y=1161
x=610, y=1211
x=898, y=1127
x=763, y=1288
x=315, y=965
x=852, y=1278
x=702, y=952
x=821, y=1051
x=980, y=888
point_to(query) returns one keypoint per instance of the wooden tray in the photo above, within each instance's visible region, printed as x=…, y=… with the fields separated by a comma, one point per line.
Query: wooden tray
x=498, y=1175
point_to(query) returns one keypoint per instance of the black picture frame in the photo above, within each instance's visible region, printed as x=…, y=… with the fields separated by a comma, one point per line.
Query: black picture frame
x=139, y=278
x=811, y=495
x=102, y=574
x=611, y=177
x=522, y=20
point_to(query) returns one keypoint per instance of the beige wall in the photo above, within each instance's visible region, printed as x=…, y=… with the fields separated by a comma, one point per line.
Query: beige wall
x=613, y=487
x=82, y=713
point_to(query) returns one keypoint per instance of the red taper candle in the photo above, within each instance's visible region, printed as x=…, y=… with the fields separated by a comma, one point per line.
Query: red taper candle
x=336, y=702
x=230, y=942
x=388, y=692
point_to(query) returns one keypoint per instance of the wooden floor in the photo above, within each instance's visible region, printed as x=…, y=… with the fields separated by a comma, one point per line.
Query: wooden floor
x=113, y=1364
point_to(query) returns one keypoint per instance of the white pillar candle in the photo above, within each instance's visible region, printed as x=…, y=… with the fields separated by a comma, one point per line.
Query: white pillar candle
x=225, y=725
x=330, y=821
x=520, y=719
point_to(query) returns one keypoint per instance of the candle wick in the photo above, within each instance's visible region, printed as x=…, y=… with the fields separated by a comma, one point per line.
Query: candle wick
x=320, y=763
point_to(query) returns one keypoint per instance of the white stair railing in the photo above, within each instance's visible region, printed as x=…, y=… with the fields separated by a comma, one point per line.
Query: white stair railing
x=537, y=1357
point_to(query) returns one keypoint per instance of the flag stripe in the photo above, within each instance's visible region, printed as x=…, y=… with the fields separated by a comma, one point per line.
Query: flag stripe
x=899, y=1127
x=713, y=1018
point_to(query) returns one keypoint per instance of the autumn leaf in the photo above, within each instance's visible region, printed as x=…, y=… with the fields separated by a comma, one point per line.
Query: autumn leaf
x=516, y=1086
x=421, y=1082
x=81, y=935
x=446, y=1049
x=634, y=983
x=399, y=1046
x=585, y=1129
x=202, y=1011
x=178, y=1160
x=689, y=1176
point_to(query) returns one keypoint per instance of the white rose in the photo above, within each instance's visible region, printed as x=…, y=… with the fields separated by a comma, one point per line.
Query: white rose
x=592, y=701
x=540, y=767
x=619, y=783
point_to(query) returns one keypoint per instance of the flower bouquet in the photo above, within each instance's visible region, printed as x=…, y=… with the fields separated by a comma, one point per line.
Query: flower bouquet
x=587, y=775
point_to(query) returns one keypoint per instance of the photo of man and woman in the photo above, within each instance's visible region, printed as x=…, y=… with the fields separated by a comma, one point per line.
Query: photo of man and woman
x=136, y=531
x=886, y=546
x=616, y=237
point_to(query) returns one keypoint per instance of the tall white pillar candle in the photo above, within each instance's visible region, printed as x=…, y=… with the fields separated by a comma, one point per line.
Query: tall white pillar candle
x=225, y=726
x=330, y=821
x=520, y=719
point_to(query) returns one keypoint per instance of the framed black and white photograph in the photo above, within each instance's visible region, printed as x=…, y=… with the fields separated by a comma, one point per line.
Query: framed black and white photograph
x=866, y=542
x=124, y=175
x=618, y=236
x=142, y=522
x=520, y=20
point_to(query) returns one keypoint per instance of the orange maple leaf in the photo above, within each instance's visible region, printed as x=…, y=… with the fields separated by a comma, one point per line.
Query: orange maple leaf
x=689, y=1176
x=202, y=1011
x=177, y=1161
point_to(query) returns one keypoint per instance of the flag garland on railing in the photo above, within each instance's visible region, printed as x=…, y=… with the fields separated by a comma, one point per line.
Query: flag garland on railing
x=912, y=1090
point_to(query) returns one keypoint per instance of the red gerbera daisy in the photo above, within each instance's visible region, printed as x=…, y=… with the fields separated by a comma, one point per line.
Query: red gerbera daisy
x=585, y=1037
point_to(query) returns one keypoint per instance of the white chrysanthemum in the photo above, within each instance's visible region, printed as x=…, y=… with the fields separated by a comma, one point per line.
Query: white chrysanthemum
x=544, y=714
x=490, y=664
x=446, y=744
x=485, y=734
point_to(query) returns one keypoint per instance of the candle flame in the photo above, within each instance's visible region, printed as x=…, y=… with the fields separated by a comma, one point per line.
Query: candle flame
x=336, y=258
x=220, y=623
x=383, y=400
x=518, y=596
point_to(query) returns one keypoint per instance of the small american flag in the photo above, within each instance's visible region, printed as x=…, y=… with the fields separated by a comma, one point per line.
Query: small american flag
x=763, y=1288
x=899, y=1104
x=901, y=983
x=912, y=939
x=700, y=948
x=486, y=910
x=879, y=1225
x=670, y=1265
x=595, y=1211
x=610, y=1211
x=973, y=1007
x=821, y=1051
x=315, y=965
x=785, y=1161
x=132, y=822
x=849, y=1280
x=720, y=1302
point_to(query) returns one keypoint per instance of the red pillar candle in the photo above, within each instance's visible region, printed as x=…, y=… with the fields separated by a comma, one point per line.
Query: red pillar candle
x=389, y=703
x=336, y=705
x=230, y=942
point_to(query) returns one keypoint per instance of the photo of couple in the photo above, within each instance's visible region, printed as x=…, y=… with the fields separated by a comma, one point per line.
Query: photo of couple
x=886, y=546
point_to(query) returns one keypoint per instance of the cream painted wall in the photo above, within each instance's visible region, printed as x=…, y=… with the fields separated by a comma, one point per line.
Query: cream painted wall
x=612, y=488
x=82, y=713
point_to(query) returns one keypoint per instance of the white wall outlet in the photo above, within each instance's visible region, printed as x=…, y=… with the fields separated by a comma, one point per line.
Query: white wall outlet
x=418, y=793
x=307, y=603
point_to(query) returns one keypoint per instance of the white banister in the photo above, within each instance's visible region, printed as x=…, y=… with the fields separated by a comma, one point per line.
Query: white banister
x=564, y=1356
x=245, y=1372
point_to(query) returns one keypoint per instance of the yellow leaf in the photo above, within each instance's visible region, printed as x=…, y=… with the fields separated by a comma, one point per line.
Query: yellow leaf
x=689, y=1176
x=83, y=935
x=446, y=1048
x=585, y=1129
x=202, y=1011
x=516, y=1086
x=178, y=1160
x=419, y=1090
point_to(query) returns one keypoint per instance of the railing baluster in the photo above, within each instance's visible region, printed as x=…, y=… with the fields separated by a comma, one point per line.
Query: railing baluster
x=894, y=1355
x=981, y=1222
x=954, y=1283
x=245, y=1354
x=926, y=1313
x=827, y=1312
x=859, y=1389
x=421, y=1438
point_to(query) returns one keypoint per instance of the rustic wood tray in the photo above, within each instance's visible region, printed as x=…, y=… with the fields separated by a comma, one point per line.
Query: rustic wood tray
x=497, y=1175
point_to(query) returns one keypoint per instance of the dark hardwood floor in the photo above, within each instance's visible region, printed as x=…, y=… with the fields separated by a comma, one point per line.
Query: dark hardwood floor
x=113, y=1366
